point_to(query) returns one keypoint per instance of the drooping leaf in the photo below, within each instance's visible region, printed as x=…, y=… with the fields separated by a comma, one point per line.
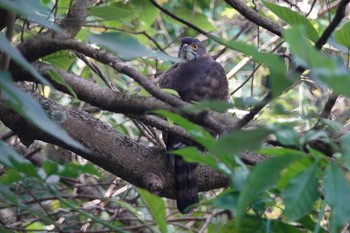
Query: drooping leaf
x=342, y=35
x=193, y=155
x=28, y=108
x=11, y=51
x=301, y=193
x=293, y=18
x=58, y=79
x=126, y=46
x=157, y=208
x=262, y=177
x=198, y=133
x=32, y=10
x=337, y=194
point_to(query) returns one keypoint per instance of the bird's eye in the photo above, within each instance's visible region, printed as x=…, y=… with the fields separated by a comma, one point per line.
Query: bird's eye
x=195, y=46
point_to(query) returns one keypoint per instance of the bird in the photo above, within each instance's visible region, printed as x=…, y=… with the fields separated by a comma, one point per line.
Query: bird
x=195, y=77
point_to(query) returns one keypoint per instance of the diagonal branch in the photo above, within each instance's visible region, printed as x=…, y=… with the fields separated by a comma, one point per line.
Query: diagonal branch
x=253, y=16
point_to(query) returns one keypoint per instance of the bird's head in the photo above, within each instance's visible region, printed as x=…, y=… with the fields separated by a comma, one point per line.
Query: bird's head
x=191, y=49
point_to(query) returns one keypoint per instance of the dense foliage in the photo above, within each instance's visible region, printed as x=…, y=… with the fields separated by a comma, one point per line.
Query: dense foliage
x=81, y=116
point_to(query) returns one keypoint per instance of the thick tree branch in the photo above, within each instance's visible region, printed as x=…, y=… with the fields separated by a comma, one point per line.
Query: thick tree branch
x=142, y=166
x=253, y=16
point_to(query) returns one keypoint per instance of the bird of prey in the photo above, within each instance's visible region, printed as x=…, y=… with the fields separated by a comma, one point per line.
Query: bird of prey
x=196, y=77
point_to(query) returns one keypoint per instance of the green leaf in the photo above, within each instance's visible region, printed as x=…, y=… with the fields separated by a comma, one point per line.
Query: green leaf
x=293, y=18
x=60, y=59
x=227, y=200
x=198, y=19
x=58, y=79
x=127, y=46
x=252, y=224
x=236, y=141
x=28, y=108
x=342, y=35
x=32, y=10
x=262, y=177
x=193, y=155
x=337, y=194
x=301, y=193
x=215, y=105
x=327, y=71
x=6, y=47
x=110, y=12
x=156, y=206
x=198, y=133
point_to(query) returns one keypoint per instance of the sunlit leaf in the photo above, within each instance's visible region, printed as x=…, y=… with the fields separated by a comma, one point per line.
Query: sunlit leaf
x=342, y=35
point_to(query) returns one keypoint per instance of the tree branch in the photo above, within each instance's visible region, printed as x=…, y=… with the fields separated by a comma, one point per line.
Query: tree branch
x=255, y=17
x=146, y=167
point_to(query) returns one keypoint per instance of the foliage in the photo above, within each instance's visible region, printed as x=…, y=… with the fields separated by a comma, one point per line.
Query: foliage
x=302, y=183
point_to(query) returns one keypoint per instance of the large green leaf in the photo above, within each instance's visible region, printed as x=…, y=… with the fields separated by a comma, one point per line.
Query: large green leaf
x=337, y=194
x=236, y=141
x=28, y=108
x=156, y=206
x=301, y=192
x=6, y=47
x=293, y=18
x=61, y=59
x=32, y=10
x=193, y=155
x=198, y=19
x=342, y=35
x=127, y=46
x=197, y=132
x=110, y=12
x=327, y=71
x=262, y=177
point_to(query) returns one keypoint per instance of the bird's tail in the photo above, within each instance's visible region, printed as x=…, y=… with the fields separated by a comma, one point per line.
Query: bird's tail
x=186, y=184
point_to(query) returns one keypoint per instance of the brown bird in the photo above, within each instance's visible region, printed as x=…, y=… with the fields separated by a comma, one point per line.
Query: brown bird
x=195, y=77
